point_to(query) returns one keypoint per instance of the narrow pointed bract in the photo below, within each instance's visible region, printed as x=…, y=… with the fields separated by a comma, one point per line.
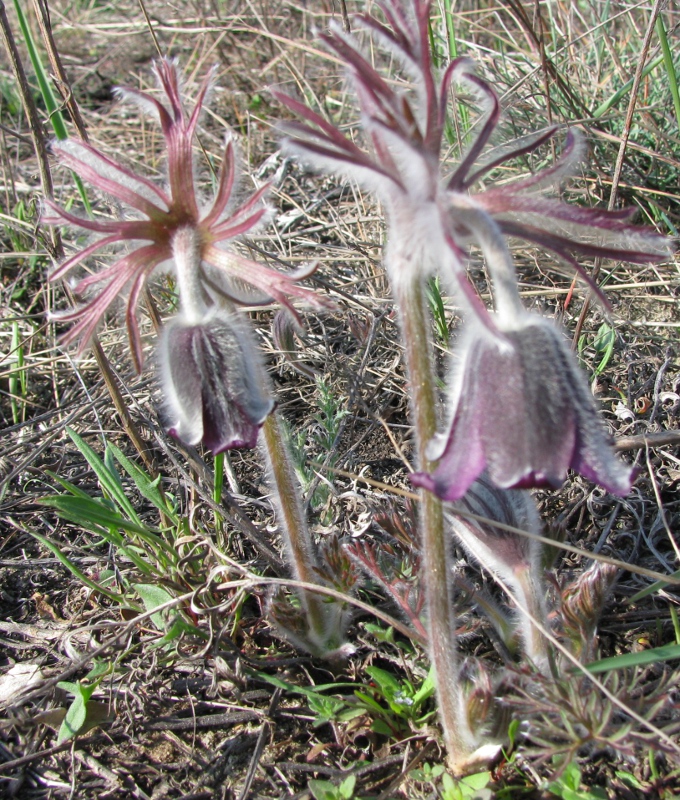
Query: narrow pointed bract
x=161, y=213
x=211, y=382
x=522, y=410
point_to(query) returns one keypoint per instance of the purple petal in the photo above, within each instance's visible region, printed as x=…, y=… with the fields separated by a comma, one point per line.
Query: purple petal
x=549, y=175
x=243, y=209
x=138, y=285
x=608, y=221
x=509, y=155
x=212, y=383
x=76, y=258
x=445, y=85
x=269, y=281
x=332, y=133
x=523, y=410
x=529, y=433
x=564, y=245
x=224, y=231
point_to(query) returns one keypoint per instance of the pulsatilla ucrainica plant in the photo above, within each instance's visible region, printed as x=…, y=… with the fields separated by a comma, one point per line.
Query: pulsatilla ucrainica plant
x=215, y=387
x=473, y=471
x=508, y=357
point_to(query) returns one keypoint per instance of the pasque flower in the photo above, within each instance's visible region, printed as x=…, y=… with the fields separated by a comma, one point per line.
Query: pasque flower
x=159, y=214
x=521, y=407
x=212, y=381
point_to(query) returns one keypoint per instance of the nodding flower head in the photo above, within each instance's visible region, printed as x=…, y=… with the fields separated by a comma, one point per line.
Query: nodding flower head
x=212, y=384
x=427, y=200
x=523, y=411
x=159, y=214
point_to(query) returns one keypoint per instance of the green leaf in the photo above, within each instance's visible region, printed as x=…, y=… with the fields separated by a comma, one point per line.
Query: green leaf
x=513, y=730
x=450, y=789
x=67, y=686
x=346, y=788
x=88, y=513
x=100, y=670
x=75, y=716
x=604, y=344
x=472, y=787
x=176, y=629
x=389, y=686
x=480, y=780
x=152, y=597
x=381, y=634
x=369, y=702
x=150, y=489
x=427, y=689
x=323, y=790
x=381, y=727
x=118, y=598
x=83, y=714
x=629, y=779
x=109, y=480
x=640, y=659
x=571, y=777
x=326, y=708
x=350, y=713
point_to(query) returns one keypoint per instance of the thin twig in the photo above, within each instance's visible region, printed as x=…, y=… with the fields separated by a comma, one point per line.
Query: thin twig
x=642, y=440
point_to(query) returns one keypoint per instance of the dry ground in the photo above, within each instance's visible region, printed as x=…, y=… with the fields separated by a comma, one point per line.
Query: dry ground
x=199, y=717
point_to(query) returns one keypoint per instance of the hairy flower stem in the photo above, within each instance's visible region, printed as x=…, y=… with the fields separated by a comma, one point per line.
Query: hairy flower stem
x=410, y=298
x=531, y=598
x=293, y=521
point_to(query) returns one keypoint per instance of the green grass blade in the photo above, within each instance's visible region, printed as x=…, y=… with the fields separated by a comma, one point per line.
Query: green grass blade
x=153, y=596
x=641, y=659
x=51, y=104
x=436, y=301
x=218, y=481
x=88, y=513
x=655, y=587
x=148, y=488
x=55, y=115
x=92, y=516
x=602, y=109
x=15, y=347
x=670, y=67
x=70, y=487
